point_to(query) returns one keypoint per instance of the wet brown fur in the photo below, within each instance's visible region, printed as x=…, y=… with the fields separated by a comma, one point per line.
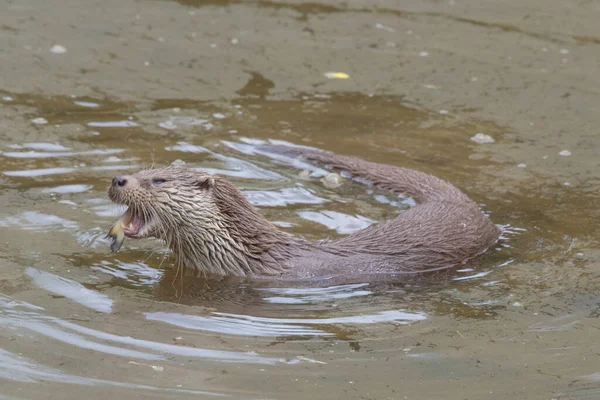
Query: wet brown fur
x=211, y=227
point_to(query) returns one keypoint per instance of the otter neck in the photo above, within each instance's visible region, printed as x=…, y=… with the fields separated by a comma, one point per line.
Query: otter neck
x=237, y=241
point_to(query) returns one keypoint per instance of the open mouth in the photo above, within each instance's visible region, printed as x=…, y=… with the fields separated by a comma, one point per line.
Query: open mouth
x=131, y=224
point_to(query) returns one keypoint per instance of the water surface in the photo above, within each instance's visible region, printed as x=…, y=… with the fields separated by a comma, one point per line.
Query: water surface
x=199, y=84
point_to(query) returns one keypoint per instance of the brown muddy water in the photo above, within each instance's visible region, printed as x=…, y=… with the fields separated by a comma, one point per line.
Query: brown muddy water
x=89, y=90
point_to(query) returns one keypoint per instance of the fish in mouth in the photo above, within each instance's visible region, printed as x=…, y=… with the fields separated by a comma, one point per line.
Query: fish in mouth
x=131, y=224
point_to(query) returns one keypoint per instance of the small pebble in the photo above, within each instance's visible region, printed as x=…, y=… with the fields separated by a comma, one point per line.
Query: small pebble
x=332, y=180
x=39, y=121
x=443, y=112
x=218, y=115
x=7, y=98
x=482, y=138
x=522, y=165
x=565, y=153
x=385, y=28
x=305, y=174
x=564, y=51
x=235, y=41
x=423, y=54
x=336, y=75
x=58, y=49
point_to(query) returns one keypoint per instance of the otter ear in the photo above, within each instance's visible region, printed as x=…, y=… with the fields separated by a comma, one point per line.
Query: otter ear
x=205, y=182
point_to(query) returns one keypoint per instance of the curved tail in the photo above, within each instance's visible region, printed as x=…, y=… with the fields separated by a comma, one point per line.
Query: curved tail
x=420, y=186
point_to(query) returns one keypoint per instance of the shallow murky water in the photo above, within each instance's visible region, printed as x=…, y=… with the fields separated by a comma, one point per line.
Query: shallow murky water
x=73, y=316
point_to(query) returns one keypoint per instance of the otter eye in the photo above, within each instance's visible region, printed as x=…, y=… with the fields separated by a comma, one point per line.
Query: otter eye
x=158, y=181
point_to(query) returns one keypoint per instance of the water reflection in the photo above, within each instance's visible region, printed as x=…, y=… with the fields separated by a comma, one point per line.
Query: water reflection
x=247, y=325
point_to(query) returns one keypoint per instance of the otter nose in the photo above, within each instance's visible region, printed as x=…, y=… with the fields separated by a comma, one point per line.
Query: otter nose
x=119, y=181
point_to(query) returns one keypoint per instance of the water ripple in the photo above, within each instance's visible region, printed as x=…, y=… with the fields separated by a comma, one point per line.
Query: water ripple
x=70, y=289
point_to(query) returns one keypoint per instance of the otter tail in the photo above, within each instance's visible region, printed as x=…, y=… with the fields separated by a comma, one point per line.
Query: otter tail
x=420, y=186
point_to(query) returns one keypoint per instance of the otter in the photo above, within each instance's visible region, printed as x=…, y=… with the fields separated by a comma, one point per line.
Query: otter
x=212, y=228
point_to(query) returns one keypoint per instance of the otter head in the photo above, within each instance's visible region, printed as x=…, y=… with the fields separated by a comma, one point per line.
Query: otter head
x=207, y=223
x=162, y=202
